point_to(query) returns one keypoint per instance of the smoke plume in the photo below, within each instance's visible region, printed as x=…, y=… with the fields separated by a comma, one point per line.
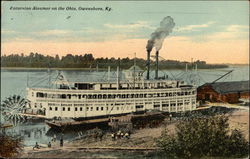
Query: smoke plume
x=157, y=37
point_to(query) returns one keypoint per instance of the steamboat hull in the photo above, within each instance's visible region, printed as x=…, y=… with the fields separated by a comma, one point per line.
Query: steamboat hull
x=78, y=125
x=137, y=120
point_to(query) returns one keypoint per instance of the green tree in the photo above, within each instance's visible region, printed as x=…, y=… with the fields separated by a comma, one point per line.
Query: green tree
x=204, y=136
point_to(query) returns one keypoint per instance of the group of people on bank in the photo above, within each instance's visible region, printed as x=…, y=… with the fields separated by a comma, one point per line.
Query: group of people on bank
x=120, y=135
x=53, y=140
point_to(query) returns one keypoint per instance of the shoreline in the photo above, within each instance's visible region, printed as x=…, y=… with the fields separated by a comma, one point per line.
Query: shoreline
x=44, y=69
x=85, y=69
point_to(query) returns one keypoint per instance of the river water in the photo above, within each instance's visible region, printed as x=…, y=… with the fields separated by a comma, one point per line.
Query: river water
x=16, y=81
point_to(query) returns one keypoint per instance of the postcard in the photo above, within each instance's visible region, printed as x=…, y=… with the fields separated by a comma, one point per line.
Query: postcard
x=124, y=79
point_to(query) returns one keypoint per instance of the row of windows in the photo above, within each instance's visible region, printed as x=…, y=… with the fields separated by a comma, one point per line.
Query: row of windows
x=109, y=96
x=89, y=108
x=117, y=107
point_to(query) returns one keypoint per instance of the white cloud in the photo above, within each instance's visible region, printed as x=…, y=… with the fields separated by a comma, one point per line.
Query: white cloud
x=139, y=24
x=8, y=32
x=194, y=27
x=237, y=28
x=231, y=32
x=54, y=32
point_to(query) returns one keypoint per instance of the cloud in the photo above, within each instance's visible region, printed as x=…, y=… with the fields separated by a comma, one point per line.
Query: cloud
x=230, y=33
x=237, y=28
x=194, y=27
x=53, y=32
x=9, y=32
x=139, y=24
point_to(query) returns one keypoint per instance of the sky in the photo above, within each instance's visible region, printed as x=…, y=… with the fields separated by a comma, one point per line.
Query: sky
x=216, y=32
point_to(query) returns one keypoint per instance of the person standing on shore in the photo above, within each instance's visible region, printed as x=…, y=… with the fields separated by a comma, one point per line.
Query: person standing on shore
x=61, y=142
x=49, y=144
x=170, y=117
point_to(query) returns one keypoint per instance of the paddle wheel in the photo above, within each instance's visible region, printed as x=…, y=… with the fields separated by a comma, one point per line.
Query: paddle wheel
x=13, y=107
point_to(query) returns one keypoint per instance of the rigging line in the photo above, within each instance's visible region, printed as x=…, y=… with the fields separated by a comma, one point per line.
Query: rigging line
x=172, y=75
x=40, y=81
x=44, y=77
x=181, y=74
x=210, y=74
x=202, y=78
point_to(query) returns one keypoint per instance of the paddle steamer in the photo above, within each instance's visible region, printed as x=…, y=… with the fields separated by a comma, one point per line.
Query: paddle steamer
x=133, y=94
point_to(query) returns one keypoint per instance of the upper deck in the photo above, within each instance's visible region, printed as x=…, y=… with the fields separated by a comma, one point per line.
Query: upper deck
x=145, y=85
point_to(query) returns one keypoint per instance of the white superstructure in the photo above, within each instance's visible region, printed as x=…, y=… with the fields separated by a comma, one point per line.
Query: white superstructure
x=97, y=99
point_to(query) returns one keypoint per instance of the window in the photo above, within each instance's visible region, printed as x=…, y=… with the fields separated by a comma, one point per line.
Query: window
x=50, y=108
x=75, y=108
x=97, y=108
x=101, y=108
x=80, y=108
x=156, y=106
x=91, y=108
x=63, y=108
x=39, y=94
x=68, y=108
x=87, y=108
x=35, y=105
x=107, y=108
x=69, y=96
x=117, y=108
x=55, y=108
x=165, y=105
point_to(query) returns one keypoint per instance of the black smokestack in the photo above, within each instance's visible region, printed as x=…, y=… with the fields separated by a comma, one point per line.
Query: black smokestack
x=148, y=63
x=157, y=64
x=149, y=49
x=157, y=38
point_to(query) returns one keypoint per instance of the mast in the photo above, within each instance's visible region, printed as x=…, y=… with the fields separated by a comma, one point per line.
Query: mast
x=27, y=80
x=97, y=68
x=108, y=73
x=134, y=71
x=118, y=82
x=118, y=74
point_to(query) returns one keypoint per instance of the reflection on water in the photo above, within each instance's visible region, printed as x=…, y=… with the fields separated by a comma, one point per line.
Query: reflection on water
x=38, y=132
x=15, y=82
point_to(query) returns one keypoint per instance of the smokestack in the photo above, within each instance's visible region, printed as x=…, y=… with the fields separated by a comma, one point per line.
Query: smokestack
x=148, y=64
x=157, y=64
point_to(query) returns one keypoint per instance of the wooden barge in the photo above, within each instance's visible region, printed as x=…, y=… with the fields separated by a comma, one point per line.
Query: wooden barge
x=136, y=120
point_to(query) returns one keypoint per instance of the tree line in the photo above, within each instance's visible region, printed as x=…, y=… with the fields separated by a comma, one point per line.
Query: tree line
x=36, y=60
